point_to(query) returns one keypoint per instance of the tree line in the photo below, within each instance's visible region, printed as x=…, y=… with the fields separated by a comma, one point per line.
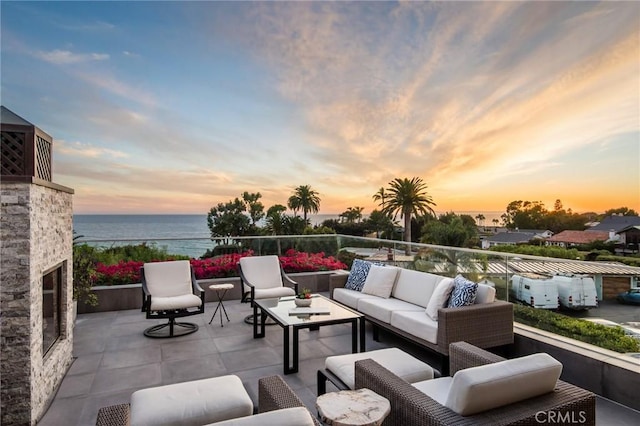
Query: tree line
x=405, y=199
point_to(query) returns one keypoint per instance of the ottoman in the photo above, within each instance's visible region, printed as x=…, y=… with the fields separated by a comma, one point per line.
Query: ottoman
x=191, y=403
x=340, y=369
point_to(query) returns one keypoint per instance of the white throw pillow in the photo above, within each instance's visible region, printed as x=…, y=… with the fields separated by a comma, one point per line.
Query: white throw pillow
x=380, y=281
x=439, y=298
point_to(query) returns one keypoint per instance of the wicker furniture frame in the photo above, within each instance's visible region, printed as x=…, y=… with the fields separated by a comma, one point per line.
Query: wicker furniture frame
x=568, y=404
x=273, y=394
x=485, y=326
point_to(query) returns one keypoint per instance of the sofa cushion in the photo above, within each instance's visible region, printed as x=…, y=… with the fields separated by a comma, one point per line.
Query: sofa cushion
x=483, y=388
x=395, y=360
x=350, y=297
x=191, y=403
x=357, y=275
x=463, y=293
x=485, y=294
x=381, y=309
x=436, y=389
x=415, y=287
x=380, y=281
x=417, y=323
x=296, y=416
x=439, y=298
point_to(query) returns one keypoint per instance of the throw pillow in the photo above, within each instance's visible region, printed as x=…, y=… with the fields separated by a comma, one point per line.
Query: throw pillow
x=464, y=292
x=439, y=298
x=357, y=275
x=380, y=281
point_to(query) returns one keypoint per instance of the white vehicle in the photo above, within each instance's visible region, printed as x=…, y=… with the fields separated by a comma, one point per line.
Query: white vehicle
x=576, y=291
x=535, y=290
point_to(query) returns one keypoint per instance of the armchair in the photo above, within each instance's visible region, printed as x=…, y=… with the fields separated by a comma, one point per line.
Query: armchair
x=170, y=290
x=262, y=277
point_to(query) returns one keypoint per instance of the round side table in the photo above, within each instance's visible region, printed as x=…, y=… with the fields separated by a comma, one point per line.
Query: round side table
x=221, y=291
x=360, y=407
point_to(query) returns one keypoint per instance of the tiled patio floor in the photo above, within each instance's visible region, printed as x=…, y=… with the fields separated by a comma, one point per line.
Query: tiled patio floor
x=114, y=359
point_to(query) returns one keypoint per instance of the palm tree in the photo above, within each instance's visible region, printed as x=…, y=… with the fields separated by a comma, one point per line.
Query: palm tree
x=306, y=199
x=480, y=218
x=381, y=195
x=408, y=197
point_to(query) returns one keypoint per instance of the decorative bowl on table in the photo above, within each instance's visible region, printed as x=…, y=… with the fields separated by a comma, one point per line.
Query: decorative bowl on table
x=302, y=302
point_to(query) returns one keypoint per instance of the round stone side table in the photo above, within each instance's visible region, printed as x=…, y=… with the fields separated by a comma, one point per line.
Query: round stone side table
x=360, y=407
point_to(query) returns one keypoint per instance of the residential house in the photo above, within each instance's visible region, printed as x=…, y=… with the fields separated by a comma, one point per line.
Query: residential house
x=575, y=238
x=513, y=238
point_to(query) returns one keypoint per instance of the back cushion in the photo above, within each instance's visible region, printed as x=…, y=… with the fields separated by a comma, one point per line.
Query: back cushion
x=483, y=388
x=485, y=294
x=168, y=279
x=415, y=287
x=262, y=271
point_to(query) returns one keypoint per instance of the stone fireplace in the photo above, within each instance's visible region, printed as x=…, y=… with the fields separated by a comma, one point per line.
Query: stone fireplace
x=36, y=237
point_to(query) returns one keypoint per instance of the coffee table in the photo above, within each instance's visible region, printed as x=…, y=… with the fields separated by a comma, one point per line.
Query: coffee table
x=278, y=310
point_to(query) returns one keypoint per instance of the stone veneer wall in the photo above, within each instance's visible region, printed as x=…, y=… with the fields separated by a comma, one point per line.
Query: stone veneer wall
x=36, y=235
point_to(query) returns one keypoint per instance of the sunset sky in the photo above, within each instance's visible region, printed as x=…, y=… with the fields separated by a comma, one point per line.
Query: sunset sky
x=169, y=107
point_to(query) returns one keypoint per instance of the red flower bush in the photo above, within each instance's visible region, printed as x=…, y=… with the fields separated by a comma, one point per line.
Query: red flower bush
x=218, y=267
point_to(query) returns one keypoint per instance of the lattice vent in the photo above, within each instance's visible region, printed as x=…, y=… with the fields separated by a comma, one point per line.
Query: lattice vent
x=13, y=152
x=43, y=159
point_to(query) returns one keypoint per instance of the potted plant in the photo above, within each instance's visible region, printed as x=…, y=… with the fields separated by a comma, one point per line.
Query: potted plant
x=303, y=298
x=84, y=269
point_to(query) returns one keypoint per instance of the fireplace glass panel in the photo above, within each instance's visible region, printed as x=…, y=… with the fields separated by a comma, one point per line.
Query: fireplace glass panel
x=51, y=308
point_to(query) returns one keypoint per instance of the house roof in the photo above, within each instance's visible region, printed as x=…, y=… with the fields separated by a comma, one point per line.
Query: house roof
x=511, y=237
x=579, y=237
x=616, y=223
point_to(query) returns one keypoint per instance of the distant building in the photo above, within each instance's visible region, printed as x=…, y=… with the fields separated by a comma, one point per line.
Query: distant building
x=628, y=240
x=574, y=238
x=514, y=238
x=616, y=223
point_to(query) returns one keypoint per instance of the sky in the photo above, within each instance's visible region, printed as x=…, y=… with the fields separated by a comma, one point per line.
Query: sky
x=174, y=107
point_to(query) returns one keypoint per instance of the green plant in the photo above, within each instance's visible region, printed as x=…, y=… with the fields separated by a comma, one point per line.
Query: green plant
x=304, y=294
x=84, y=271
x=612, y=338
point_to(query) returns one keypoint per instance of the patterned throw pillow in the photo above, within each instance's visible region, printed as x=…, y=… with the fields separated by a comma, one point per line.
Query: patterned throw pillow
x=358, y=275
x=464, y=292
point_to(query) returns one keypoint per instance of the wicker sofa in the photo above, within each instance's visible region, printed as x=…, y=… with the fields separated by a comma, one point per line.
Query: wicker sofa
x=567, y=404
x=273, y=395
x=487, y=323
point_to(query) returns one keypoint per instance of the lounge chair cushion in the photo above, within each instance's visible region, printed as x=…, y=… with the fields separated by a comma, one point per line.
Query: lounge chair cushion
x=417, y=323
x=485, y=294
x=262, y=271
x=382, y=309
x=439, y=298
x=297, y=416
x=415, y=287
x=350, y=297
x=478, y=389
x=191, y=403
x=176, y=302
x=395, y=360
x=380, y=281
x=270, y=293
x=168, y=279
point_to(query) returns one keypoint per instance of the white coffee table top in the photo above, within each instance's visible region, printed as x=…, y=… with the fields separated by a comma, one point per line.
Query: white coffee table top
x=360, y=407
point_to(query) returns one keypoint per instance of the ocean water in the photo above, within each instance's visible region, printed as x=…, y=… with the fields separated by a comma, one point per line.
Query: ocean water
x=162, y=229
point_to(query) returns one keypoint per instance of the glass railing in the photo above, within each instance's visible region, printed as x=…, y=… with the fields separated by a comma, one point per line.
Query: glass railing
x=493, y=268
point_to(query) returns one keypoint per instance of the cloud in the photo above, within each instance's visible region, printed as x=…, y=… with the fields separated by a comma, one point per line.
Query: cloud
x=79, y=149
x=64, y=57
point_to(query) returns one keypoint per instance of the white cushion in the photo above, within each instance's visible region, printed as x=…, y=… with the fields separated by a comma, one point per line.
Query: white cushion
x=436, y=389
x=439, y=298
x=296, y=416
x=483, y=388
x=270, y=293
x=485, y=294
x=416, y=323
x=380, y=281
x=178, y=302
x=261, y=271
x=398, y=362
x=381, y=309
x=350, y=297
x=168, y=279
x=415, y=287
x=191, y=403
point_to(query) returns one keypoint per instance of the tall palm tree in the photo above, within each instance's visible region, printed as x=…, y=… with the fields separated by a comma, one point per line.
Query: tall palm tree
x=381, y=196
x=306, y=199
x=408, y=197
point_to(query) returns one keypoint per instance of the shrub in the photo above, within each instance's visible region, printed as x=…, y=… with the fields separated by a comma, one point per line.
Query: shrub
x=612, y=338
